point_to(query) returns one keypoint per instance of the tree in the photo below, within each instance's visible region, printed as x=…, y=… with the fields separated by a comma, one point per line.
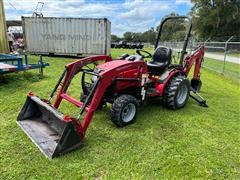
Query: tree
x=128, y=36
x=115, y=38
x=137, y=37
x=149, y=36
x=213, y=18
x=173, y=29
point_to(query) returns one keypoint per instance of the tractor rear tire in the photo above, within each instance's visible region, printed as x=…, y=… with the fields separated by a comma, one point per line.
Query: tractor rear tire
x=124, y=110
x=177, y=92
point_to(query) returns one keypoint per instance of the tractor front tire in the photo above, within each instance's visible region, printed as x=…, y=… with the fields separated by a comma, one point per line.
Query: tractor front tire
x=177, y=92
x=124, y=110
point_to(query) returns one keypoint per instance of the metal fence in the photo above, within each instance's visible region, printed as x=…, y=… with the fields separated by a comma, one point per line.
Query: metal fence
x=221, y=56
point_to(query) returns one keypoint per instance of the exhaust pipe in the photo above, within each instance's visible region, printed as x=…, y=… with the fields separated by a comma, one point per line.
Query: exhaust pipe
x=53, y=134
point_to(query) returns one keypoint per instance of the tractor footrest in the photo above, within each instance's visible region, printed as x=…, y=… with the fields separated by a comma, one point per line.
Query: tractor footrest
x=152, y=92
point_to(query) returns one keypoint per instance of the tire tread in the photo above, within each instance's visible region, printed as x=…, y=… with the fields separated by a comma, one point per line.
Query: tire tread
x=171, y=90
x=115, y=112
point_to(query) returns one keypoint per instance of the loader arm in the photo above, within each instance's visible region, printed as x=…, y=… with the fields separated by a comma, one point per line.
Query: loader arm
x=74, y=68
x=104, y=80
x=53, y=132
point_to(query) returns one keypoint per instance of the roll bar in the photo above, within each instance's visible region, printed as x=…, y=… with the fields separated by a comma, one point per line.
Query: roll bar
x=186, y=39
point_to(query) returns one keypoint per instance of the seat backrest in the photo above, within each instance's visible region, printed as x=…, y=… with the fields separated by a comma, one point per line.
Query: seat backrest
x=163, y=55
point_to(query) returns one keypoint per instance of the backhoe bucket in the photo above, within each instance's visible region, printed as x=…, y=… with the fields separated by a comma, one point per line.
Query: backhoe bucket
x=46, y=127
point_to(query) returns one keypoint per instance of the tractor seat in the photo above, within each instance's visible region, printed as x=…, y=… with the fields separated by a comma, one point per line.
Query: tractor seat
x=161, y=59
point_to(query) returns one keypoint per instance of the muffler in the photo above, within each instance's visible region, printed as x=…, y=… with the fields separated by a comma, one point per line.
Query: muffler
x=49, y=129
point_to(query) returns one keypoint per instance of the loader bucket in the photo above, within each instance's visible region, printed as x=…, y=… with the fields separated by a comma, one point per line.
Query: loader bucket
x=46, y=127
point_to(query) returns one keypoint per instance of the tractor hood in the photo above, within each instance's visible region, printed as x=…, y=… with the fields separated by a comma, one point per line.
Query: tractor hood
x=117, y=64
x=122, y=66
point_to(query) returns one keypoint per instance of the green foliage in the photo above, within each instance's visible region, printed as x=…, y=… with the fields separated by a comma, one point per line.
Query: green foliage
x=190, y=143
x=231, y=69
x=115, y=38
x=128, y=36
x=213, y=18
x=132, y=37
x=149, y=36
x=173, y=30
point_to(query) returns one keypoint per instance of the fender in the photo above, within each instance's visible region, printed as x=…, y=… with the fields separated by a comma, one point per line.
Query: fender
x=161, y=87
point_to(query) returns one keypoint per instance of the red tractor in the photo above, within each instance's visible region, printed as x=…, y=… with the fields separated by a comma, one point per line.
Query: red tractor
x=125, y=83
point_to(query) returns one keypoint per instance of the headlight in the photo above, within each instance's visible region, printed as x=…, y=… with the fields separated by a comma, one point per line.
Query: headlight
x=94, y=78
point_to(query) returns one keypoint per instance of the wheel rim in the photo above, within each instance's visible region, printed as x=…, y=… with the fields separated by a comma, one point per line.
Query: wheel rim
x=182, y=94
x=128, y=112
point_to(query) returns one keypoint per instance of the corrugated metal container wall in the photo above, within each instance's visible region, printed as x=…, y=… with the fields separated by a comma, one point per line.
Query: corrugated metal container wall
x=67, y=35
x=4, y=48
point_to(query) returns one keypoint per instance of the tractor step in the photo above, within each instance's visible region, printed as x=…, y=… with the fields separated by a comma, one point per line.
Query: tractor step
x=152, y=92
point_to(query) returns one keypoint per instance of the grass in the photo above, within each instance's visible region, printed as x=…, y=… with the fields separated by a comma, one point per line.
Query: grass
x=231, y=69
x=192, y=142
x=231, y=54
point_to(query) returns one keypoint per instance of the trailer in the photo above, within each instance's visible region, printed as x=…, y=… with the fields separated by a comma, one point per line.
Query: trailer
x=67, y=36
x=14, y=63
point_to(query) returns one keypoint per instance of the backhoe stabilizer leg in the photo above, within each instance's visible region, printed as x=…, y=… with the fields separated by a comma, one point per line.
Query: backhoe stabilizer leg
x=202, y=102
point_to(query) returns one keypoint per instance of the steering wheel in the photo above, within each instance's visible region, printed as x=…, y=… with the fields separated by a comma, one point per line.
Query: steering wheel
x=138, y=51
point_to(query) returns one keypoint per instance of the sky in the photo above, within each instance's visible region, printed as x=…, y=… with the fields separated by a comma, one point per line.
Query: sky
x=125, y=15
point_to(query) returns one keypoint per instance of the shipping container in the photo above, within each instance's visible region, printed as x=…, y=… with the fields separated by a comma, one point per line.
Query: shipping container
x=85, y=36
x=4, y=48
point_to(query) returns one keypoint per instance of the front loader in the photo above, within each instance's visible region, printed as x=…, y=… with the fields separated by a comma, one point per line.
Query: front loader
x=125, y=83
